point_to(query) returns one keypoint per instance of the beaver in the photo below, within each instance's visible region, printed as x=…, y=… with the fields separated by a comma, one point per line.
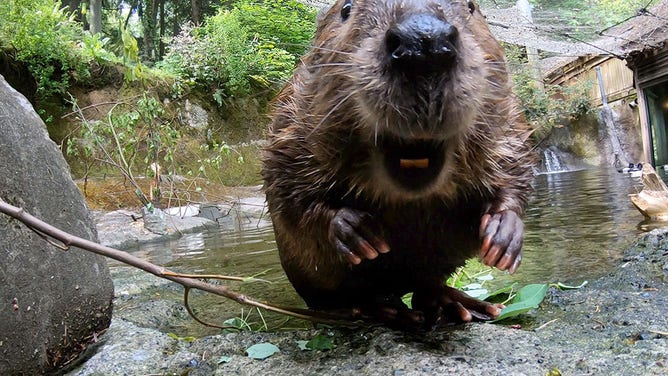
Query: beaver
x=396, y=152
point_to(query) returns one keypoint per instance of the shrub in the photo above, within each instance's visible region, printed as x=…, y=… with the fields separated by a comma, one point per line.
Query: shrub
x=250, y=48
x=545, y=105
x=286, y=23
x=137, y=135
x=42, y=35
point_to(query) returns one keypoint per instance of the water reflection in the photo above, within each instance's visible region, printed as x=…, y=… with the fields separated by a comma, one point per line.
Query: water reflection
x=576, y=228
x=577, y=225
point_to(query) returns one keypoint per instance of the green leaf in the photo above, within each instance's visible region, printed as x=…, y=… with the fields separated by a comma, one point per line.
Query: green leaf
x=502, y=293
x=302, y=345
x=527, y=298
x=262, y=351
x=224, y=359
x=321, y=343
x=235, y=322
x=476, y=293
x=408, y=300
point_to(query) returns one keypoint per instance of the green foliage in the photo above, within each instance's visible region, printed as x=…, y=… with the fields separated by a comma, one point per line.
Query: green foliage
x=225, y=37
x=286, y=23
x=320, y=342
x=237, y=165
x=94, y=48
x=250, y=48
x=583, y=19
x=131, y=56
x=275, y=65
x=132, y=140
x=546, y=105
x=244, y=322
x=40, y=34
x=526, y=299
x=187, y=339
x=476, y=279
x=216, y=56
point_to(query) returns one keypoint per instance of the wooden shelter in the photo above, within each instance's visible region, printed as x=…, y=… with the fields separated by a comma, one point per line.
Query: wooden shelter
x=633, y=61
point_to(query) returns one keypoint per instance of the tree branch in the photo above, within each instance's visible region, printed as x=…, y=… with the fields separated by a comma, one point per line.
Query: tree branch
x=67, y=240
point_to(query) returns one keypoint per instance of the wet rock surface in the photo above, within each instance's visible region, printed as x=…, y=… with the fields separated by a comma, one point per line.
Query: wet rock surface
x=53, y=302
x=616, y=325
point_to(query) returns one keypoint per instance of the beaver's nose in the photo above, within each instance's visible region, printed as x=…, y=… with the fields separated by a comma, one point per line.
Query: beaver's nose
x=421, y=40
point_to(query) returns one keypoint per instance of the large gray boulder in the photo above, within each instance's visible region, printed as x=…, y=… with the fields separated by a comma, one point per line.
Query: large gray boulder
x=53, y=303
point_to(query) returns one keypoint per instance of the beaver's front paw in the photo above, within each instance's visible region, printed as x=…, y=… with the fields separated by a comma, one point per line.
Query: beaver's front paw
x=356, y=235
x=502, y=236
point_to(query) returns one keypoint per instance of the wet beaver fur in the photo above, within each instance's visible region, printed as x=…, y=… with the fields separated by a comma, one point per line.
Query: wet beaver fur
x=396, y=152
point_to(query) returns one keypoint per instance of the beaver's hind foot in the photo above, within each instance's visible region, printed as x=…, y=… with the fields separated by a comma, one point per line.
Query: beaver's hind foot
x=447, y=305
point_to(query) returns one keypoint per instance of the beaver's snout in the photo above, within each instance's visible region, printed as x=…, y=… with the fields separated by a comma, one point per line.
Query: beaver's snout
x=421, y=42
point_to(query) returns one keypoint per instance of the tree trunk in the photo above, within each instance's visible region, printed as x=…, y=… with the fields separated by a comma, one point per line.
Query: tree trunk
x=150, y=22
x=95, y=16
x=161, y=51
x=195, y=11
x=134, y=5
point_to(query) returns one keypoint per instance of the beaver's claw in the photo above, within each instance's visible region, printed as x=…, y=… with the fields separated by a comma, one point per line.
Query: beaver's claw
x=502, y=236
x=356, y=235
x=443, y=305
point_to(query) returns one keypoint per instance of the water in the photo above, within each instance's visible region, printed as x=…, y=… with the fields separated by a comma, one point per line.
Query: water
x=552, y=161
x=577, y=226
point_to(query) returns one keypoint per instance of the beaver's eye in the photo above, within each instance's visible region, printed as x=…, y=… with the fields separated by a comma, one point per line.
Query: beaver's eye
x=345, y=10
x=471, y=5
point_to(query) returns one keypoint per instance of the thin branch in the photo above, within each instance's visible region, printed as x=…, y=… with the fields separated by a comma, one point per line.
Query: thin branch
x=78, y=110
x=69, y=240
x=186, y=303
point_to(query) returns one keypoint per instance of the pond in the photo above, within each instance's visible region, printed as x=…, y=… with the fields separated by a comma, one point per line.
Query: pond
x=577, y=227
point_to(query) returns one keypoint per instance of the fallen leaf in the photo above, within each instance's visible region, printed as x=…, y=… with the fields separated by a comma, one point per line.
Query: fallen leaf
x=262, y=351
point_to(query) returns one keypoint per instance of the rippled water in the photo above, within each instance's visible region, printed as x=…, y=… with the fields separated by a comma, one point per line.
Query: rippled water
x=576, y=228
x=577, y=225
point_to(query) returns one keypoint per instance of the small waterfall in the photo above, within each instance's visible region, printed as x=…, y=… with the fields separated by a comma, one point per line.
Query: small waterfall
x=552, y=161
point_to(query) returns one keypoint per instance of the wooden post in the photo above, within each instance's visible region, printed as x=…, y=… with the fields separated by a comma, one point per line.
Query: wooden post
x=607, y=118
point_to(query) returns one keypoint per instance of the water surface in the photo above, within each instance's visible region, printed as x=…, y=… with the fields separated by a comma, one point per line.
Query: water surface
x=577, y=226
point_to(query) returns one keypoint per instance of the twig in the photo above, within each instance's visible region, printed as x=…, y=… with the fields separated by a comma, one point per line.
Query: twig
x=79, y=110
x=186, y=303
x=213, y=276
x=544, y=325
x=69, y=240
